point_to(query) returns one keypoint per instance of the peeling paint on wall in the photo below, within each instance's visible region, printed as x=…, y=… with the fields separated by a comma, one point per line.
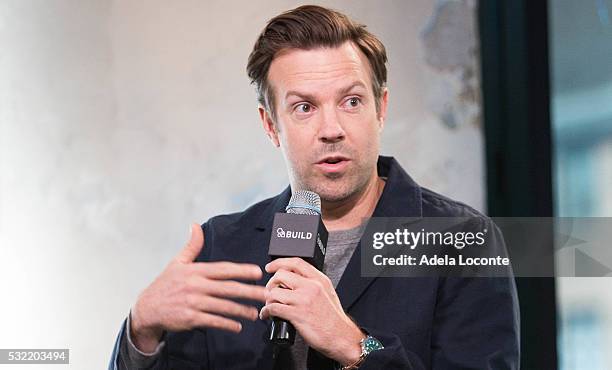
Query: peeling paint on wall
x=451, y=51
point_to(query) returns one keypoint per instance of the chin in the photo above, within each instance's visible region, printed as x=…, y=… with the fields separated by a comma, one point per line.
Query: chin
x=335, y=192
x=334, y=197
x=335, y=187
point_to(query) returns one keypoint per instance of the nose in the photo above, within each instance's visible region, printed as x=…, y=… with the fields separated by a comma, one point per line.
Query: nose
x=330, y=129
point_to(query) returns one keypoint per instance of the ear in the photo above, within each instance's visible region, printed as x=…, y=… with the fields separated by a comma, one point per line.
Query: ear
x=268, y=125
x=382, y=115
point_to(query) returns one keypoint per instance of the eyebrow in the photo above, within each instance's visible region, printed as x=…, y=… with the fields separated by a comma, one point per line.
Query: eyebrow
x=311, y=97
x=352, y=86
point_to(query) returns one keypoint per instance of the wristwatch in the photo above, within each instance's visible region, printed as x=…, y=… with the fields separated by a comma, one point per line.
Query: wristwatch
x=368, y=344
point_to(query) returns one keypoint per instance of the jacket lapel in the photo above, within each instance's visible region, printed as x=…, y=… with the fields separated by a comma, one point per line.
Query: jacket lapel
x=401, y=197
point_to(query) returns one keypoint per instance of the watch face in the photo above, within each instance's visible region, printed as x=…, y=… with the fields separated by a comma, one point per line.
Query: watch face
x=371, y=344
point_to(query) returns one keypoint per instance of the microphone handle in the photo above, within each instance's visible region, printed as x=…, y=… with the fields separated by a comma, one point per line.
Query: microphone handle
x=282, y=333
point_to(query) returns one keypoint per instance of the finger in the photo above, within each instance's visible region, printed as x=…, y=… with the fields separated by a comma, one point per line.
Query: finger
x=278, y=310
x=285, y=279
x=294, y=264
x=226, y=307
x=234, y=289
x=281, y=295
x=228, y=270
x=207, y=320
x=194, y=246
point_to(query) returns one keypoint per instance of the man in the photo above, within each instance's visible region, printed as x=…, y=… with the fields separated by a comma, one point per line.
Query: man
x=321, y=82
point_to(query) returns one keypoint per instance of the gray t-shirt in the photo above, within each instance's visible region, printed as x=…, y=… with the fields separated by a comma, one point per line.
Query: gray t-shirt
x=340, y=247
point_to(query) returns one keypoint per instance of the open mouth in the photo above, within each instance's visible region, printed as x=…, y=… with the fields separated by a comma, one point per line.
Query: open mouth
x=333, y=163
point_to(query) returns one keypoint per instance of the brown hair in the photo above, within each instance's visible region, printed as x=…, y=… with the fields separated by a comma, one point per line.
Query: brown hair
x=308, y=27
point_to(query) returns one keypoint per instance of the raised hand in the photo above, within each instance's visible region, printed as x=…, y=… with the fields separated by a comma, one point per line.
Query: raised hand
x=190, y=294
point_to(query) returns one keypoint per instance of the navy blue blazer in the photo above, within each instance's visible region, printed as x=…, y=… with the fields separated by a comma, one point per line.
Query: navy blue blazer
x=423, y=323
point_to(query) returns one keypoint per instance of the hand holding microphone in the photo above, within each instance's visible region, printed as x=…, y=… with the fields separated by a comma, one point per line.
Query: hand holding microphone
x=311, y=304
x=299, y=292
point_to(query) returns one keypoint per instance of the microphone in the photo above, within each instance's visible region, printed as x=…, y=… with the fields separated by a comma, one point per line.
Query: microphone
x=298, y=233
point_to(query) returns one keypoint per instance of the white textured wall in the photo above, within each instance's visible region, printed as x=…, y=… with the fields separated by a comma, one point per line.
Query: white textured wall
x=123, y=121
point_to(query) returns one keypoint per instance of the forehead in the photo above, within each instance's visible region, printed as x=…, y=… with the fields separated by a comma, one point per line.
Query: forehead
x=318, y=69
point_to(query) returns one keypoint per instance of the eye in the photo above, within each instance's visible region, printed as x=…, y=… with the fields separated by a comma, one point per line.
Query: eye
x=303, y=108
x=352, y=102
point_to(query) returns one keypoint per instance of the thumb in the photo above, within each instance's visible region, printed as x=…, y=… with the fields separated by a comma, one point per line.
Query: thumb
x=194, y=245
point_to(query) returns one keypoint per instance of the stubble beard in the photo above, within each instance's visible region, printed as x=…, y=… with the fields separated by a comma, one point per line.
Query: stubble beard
x=337, y=187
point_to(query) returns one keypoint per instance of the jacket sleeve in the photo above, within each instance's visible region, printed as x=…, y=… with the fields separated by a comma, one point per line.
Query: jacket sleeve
x=477, y=325
x=126, y=358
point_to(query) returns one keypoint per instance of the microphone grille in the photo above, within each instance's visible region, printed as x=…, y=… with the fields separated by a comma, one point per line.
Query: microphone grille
x=304, y=202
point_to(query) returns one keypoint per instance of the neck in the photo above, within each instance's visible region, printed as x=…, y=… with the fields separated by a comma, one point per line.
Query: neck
x=349, y=213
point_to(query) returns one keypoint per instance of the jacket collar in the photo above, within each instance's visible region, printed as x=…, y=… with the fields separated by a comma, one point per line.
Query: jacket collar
x=401, y=197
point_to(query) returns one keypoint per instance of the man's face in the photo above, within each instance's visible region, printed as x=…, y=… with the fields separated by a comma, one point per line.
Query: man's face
x=326, y=121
